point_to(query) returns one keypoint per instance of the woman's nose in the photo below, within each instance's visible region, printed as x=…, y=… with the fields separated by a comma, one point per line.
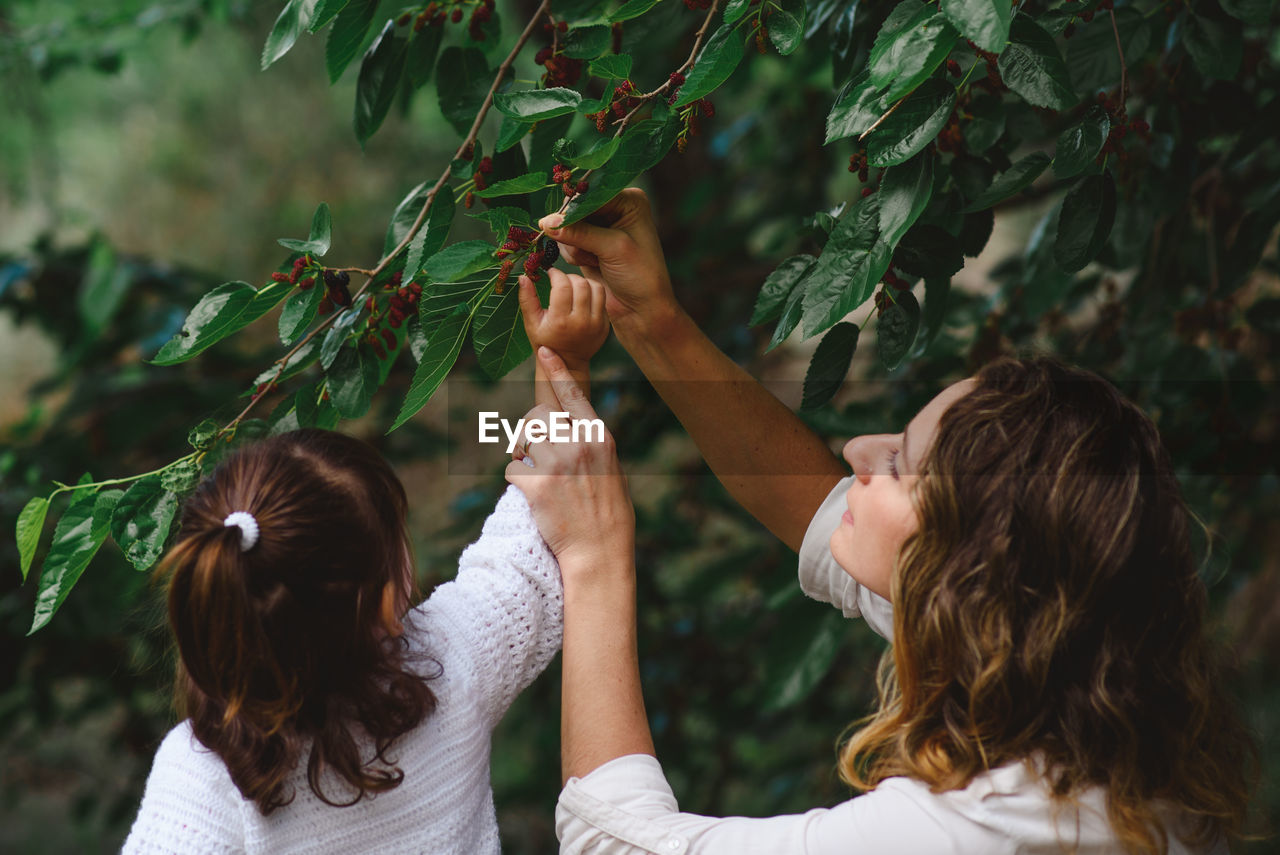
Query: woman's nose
x=860, y=454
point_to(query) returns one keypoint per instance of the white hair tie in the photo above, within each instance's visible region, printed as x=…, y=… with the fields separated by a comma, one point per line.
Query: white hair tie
x=248, y=528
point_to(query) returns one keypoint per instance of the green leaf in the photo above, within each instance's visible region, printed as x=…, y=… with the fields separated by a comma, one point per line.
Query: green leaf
x=908, y=49
x=30, y=524
x=913, y=125
x=716, y=61
x=1079, y=145
x=1088, y=212
x=420, y=55
x=792, y=311
x=510, y=132
x=336, y=335
x=735, y=9
x=587, y=42
x=632, y=9
x=200, y=436
x=983, y=22
x=458, y=260
x=778, y=286
x=1011, y=181
x=431, y=237
x=896, y=328
x=285, y=32
x=1091, y=53
x=298, y=313
x=347, y=35
x=295, y=365
x=857, y=108
x=443, y=345
x=1253, y=12
x=181, y=476
x=829, y=365
x=598, y=155
x=1032, y=67
x=987, y=124
x=440, y=299
x=106, y=282
x=500, y=340
x=463, y=78
x=929, y=251
x=76, y=539
x=321, y=230
x=975, y=231
x=1216, y=47
x=853, y=261
x=353, y=378
x=501, y=219
x=324, y=12
x=518, y=186
x=212, y=319
x=532, y=105
x=380, y=73
x=141, y=521
x=936, y=291
x=786, y=25
x=611, y=66
x=313, y=410
x=904, y=193
x=803, y=673
x=406, y=213
x=642, y=146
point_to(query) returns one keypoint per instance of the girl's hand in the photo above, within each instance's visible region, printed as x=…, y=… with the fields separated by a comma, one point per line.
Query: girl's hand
x=574, y=323
x=576, y=489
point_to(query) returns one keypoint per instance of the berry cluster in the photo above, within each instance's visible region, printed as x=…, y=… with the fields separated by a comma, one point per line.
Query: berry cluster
x=993, y=82
x=336, y=291
x=435, y=14
x=295, y=277
x=858, y=164
x=691, y=127
x=951, y=138
x=561, y=70
x=625, y=99
x=676, y=80
x=483, y=169
x=543, y=252
x=1121, y=127
x=563, y=176
x=893, y=280
x=762, y=31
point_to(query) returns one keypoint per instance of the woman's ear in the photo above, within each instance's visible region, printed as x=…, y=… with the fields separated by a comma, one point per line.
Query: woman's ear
x=390, y=610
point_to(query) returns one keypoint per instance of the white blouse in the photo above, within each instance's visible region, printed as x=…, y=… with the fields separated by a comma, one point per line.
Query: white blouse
x=626, y=806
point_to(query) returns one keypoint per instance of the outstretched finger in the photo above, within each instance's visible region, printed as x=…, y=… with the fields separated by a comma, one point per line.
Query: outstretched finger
x=561, y=292
x=530, y=306
x=567, y=391
x=581, y=295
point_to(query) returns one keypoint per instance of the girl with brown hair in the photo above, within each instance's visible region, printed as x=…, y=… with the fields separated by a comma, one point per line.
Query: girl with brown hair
x=323, y=714
x=1024, y=544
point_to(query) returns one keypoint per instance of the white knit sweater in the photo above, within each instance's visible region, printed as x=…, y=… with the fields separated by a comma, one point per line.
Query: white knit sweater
x=493, y=630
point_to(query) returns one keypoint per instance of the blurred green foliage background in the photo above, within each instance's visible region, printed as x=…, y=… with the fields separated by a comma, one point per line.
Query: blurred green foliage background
x=144, y=158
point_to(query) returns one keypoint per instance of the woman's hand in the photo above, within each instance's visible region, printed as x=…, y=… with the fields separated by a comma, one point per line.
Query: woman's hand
x=626, y=255
x=576, y=489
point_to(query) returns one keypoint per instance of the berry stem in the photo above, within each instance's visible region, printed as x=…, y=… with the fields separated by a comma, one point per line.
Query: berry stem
x=887, y=114
x=1124, y=68
x=67, y=488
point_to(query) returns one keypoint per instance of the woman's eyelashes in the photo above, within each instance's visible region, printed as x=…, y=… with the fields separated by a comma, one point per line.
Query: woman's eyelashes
x=893, y=463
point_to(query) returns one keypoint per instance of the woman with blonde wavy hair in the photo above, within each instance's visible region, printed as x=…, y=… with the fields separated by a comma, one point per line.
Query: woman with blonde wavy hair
x=1024, y=544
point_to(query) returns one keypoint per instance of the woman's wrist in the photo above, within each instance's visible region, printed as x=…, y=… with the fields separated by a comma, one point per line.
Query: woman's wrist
x=655, y=323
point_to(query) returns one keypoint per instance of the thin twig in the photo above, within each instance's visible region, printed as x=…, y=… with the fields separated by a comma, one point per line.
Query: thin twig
x=1124, y=69
x=886, y=115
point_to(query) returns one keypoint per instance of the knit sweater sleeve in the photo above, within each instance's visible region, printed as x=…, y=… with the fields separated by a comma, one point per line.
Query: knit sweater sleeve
x=190, y=804
x=506, y=604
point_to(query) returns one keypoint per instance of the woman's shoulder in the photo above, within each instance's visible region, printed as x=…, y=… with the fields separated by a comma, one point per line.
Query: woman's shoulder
x=182, y=760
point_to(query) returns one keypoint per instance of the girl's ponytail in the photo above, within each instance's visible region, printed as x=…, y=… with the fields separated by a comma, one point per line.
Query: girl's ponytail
x=283, y=646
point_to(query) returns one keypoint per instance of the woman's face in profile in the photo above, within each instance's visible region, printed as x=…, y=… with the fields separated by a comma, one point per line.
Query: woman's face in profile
x=880, y=515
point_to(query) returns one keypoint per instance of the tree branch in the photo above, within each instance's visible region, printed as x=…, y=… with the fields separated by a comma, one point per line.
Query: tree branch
x=1124, y=69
